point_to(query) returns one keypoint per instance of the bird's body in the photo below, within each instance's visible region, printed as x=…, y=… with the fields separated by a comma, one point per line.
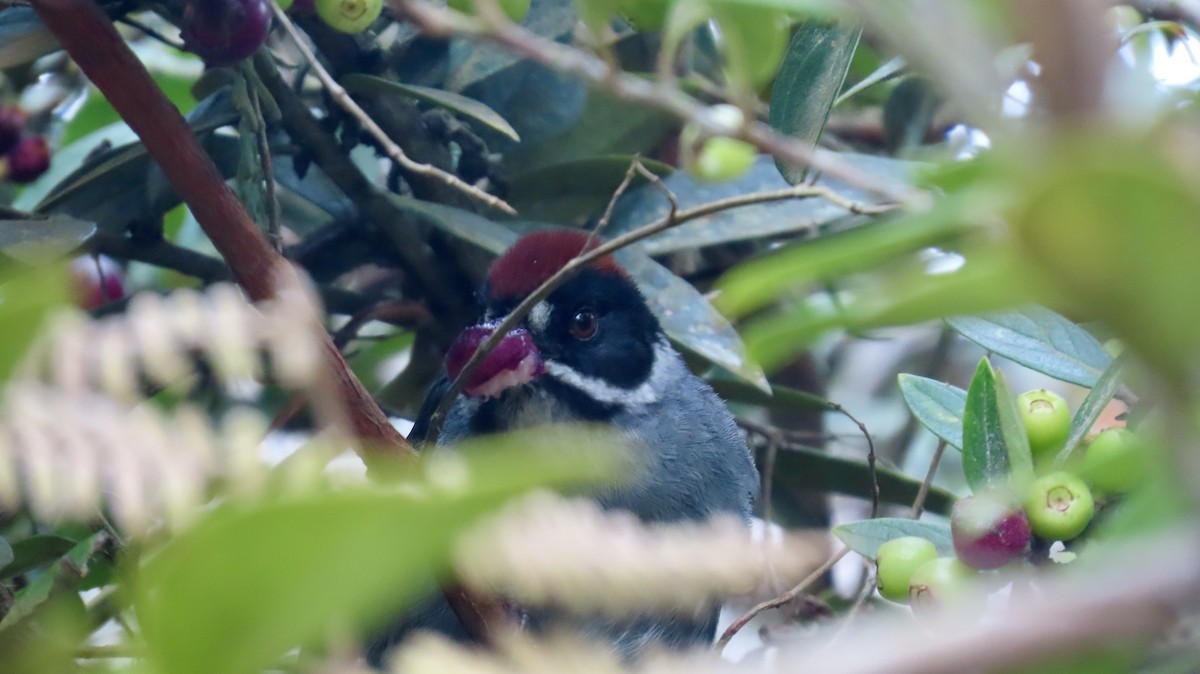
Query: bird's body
x=593, y=352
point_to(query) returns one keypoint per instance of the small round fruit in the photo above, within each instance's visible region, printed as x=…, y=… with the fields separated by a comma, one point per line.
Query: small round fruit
x=1047, y=420
x=939, y=582
x=27, y=161
x=988, y=531
x=349, y=16
x=1059, y=506
x=12, y=120
x=96, y=281
x=223, y=32
x=721, y=159
x=895, y=562
x=515, y=10
x=1115, y=461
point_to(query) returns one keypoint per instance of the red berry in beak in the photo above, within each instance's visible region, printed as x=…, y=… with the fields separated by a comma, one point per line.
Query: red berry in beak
x=514, y=361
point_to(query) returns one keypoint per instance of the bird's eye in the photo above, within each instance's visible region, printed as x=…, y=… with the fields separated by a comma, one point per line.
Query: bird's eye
x=583, y=324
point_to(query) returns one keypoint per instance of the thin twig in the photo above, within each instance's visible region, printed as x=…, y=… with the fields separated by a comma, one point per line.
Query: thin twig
x=653, y=93
x=569, y=270
x=785, y=598
x=870, y=457
x=342, y=98
x=918, y=505
x=264, y=159
x=616, y=196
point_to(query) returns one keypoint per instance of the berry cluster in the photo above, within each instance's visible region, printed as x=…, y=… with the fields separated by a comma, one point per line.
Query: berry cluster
x=22, y=157
x=223, y=32
x=995, y=528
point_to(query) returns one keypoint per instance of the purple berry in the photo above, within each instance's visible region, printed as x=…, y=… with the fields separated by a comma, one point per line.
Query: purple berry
x=988, y=531
x=12, y=119
x=223, y=32
x=28, y=160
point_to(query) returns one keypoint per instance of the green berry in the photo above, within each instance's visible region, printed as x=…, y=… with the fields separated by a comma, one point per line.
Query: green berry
x=895, y=562
x=1115, y=461
x=1059, y=506
x=721, y=159
x=349, y=16
x=1047, y=421
x=939, y=582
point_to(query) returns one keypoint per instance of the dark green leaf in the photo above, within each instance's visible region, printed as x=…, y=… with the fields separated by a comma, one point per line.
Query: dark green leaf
x=29, y=598
x=813, y=469
x=7, y=555
x=260, y=579
x=573, y=191
x=1016, y=440
x=467, y=107
x=34, y=551
x=865, y=536
x=881, y=74
x=937, y=405
x=909, y=113
x=1092, y=406
x=1040, y=340
x=23, y=37
x=808, y=82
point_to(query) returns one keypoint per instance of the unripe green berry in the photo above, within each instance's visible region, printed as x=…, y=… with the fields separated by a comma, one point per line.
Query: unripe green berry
x=1115, y=461
x=895, y=562
x=1059, y=506
x=349, y=16
x=939, y=582
x=1047, y=421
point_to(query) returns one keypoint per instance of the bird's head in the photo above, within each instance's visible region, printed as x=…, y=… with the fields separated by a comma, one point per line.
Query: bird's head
x=593, y=336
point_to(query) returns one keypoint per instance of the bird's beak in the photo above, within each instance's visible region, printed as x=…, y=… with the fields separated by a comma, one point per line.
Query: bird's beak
x=514, y=361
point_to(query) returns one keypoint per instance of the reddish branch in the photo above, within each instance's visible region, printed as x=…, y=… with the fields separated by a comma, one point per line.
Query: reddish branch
x=89, y=37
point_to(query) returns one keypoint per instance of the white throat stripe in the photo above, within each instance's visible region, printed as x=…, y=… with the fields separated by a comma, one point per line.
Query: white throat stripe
x=647, y=392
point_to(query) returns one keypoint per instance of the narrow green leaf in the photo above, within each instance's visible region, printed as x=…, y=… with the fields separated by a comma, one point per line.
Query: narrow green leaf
x=908, y=114
x=260, y=579
x=1040, y=340
x=32, y=552
x=26, y=301
x=985, y=456
x=816, y=470
x=33, y=238
x=468, y=107
x=883, y=73
x=937, y=405
x=1012, y=428
x=1092, y=406
x=865, y=536
x=807, y=84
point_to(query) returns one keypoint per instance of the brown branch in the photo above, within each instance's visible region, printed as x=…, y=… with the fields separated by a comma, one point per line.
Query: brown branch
x=92, y=41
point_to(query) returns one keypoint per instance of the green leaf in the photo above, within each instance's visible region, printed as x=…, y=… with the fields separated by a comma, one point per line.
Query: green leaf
x=467, y=107
x=995, y=446
x=813, y=469
x=32, y=552
x=35, y=238
x=865, y=536
x=1092, y=406
x=909, y=113
x=937, y=405
x=807, y=84
x=260, y=579
x=572, y=191
x=26, y=301
x=1040, y=340
x=881, y=74
x=30, y=597
x=7, y=555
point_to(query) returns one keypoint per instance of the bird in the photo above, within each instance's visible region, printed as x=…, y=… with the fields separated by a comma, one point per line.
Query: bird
x=593, y=352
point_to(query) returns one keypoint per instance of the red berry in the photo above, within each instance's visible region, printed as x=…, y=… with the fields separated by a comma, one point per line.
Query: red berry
x=988, y=531
x=28, y=160
x=12, y=119
x=223, y=32
x=96, y=281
